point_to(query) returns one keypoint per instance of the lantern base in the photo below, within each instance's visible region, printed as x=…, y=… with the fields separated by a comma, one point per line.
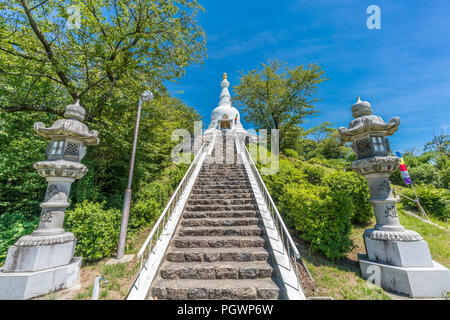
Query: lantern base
x=27, y=285
x=416, y=282
x=34, y=253
x=398, y=253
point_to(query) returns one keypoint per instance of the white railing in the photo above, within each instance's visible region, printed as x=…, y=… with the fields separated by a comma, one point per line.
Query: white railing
x=145, y=253
x=289, y=246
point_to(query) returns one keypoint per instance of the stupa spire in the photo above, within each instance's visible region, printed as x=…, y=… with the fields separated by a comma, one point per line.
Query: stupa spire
x=225, y=98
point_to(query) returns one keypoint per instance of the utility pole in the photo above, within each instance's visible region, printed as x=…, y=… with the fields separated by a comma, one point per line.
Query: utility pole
x=147, y=96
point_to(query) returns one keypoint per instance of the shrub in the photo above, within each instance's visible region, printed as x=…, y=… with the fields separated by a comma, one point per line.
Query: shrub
x=290, y=153
x=149, y=204
x=435, y=201
x=357, y=189
x=314, y=173
x=322, y=216
x=287, y=173
x=96, y=229
x=152, y=198
x=425, y=174
x=14, y=225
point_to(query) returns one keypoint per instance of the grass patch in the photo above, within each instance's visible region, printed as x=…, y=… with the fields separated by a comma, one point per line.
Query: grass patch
x=438, y=239
x=120, y=276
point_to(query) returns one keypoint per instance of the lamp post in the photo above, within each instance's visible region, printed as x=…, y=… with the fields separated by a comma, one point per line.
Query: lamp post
x=147, y=96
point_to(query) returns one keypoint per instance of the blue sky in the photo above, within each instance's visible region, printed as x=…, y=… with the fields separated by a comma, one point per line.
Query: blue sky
x=403, y=69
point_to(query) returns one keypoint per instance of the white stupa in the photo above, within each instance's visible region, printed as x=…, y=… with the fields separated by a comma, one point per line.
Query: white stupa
x=225, y=118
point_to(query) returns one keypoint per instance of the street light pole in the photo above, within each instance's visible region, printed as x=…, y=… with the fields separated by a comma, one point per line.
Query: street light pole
x=147, y=96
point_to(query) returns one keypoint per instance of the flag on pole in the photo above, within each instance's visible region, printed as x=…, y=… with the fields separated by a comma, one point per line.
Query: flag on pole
x=403, y=169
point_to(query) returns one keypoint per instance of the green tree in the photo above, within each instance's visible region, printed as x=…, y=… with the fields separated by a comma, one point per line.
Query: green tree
x=439, y=143
x=119, y=48
x=278, y=96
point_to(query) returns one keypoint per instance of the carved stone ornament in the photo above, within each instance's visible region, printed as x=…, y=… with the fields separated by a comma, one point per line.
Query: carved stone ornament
x=60, y=168
x=406, y=235
x=376, y=164
x=33, y=240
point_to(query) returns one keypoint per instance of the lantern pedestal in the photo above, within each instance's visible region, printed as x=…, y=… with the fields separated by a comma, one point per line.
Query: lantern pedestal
x=417, y=282
x=38, y=257
x=398, y=253
x=27, y=285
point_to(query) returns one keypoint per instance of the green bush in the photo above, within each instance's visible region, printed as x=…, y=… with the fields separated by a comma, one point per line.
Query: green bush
x=314, y=173
x=96, y=229
x=288, y=173
x=321, y=214
x=320, y=203
x=152, y=198
x=357, y=189
x=290, y=153
x=149, y=204
x=14, y=225
x=435, y=201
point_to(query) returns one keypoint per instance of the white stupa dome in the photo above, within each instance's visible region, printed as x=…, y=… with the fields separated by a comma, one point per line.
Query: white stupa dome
x=225, y=116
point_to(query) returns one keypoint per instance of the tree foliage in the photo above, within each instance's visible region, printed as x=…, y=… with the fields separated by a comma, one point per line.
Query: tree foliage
x=278, y=96
x=120, y=48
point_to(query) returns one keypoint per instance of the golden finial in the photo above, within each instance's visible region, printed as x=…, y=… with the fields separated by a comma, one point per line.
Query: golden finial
x=224, y=76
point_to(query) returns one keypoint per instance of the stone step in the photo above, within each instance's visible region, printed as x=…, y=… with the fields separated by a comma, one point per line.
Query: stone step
x=216, y=270
x=222, y=173
x=226, y=231
x=216, y=254
x=217, y=222
x=222, y=202
x=212, y=177
x=227, y=191
x=244, y=289
x=233, y=188
x=246, y=195
x=217, y=176
x=220, y=214
x=222, y=183
x=223, y=167
x=217, y=242
x=236, y=207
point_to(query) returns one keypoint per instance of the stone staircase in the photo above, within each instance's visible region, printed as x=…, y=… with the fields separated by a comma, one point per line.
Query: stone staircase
x=219, y=249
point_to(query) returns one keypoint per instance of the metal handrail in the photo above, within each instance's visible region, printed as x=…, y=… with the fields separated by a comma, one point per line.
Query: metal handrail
x=288, y=244
x=166, y=214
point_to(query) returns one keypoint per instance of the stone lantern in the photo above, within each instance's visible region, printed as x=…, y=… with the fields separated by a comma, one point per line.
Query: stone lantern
x=397, y=258
x=43, y=261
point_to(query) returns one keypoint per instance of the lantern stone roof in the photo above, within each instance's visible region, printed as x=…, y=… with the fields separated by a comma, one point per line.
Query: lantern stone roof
x=72, y=127
x=367, y=123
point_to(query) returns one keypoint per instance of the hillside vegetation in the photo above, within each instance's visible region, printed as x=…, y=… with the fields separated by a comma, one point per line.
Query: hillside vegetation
x=322, y=199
